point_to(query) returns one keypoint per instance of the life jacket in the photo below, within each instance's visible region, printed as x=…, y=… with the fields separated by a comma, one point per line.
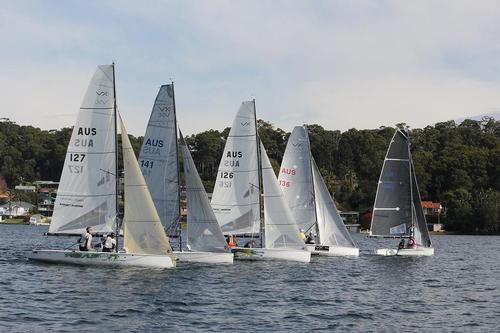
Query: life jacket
x=232, y=242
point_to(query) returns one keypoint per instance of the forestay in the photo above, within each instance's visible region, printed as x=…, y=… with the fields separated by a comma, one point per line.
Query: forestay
x=295, y=179
x=235, y=199
x=87, y=188
x=331, y=228
x=203, y=231
x=280, y=228
x=158, y=158
x=142, y=229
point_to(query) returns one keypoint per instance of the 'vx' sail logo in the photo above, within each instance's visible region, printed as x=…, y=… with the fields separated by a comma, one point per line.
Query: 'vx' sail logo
x=164, y=110
x=246, y=123
x=297, y=144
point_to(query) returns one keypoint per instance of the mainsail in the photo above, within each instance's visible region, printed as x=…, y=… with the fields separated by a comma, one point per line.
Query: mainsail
x=158, y=158
x=203, y=231
x=87, y=189
x=296, y=180
x=142, y=228
x=397, y=210
x=307, y=195
x=280, y=228
x=331, y=228
x=235, y=199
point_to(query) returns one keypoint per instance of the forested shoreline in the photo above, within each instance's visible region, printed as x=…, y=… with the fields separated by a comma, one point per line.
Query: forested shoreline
x=456, y=164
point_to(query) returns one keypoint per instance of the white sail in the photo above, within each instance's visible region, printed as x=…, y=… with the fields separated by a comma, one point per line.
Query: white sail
x=142, y=229
x=280, y=228
x=295, y=179
x=158, y=158
x=203, y=231
x=331, y=228
x=235, y=199
x=87, y=189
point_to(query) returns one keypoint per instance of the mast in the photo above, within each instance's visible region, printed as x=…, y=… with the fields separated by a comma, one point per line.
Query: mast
x=178, y=170
x=412, y=228
x=312, y=181
x=117, y=178
x=259, y=178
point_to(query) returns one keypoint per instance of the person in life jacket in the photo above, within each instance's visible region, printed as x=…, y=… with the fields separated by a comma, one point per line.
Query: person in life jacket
x=302, y=234
x=86, y=240
x=411, y=243
x=231, y=242
x=109, y=243
x=401, y=244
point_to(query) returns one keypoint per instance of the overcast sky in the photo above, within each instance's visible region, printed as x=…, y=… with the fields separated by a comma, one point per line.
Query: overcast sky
x=340, y=64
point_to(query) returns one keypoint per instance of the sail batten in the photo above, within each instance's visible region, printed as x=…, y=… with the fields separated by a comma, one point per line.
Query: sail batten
x=87, y=193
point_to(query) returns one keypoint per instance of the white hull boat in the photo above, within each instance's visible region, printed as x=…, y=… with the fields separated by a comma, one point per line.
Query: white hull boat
x=102, y=258
x=416, y=252
x=310, y=202
x=332, y=250
x=243, y=253
x=204, y=257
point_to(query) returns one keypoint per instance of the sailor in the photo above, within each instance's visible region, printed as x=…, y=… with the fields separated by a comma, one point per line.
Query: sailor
x=310, y=238
x=401, y=244
x=110, y=243
x=411, y=243
x=86, y=240
x=232, y=242
x=250, y=244
x=302, y=234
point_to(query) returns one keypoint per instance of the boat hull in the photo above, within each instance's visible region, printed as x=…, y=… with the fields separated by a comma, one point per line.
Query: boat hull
x=257, y=254
x=102, y=258
x=332, y=250
x=204, y=257
x=416, y=252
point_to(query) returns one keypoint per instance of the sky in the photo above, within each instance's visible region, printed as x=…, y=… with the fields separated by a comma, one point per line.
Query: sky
x=340, y=64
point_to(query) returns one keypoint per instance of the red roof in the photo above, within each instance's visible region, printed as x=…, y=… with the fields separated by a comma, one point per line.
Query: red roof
x=431, y=205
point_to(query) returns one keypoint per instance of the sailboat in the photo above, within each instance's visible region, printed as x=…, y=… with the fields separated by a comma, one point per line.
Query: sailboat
x=244, y=172
x=88, y=191
x=159, y=163
x=310, y=202
x=397, y=212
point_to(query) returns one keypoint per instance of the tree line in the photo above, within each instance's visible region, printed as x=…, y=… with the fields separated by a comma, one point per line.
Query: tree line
x=457, y=165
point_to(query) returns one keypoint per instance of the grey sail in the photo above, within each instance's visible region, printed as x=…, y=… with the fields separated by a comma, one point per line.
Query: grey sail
x=392, y=211
x=203, y=231
x=158, y=158
x=398, y=210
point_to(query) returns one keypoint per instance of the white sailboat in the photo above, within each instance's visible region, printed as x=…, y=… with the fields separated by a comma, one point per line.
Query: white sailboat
x=310, y=202
x=397, y=212
x=160, y=166
x=87, y=194
x=237, y=200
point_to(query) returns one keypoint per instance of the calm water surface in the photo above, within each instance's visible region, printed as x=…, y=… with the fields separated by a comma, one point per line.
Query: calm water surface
x=457, y=290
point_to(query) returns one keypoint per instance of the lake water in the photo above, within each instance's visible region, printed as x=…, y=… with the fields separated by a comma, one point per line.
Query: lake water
x=457, y=290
